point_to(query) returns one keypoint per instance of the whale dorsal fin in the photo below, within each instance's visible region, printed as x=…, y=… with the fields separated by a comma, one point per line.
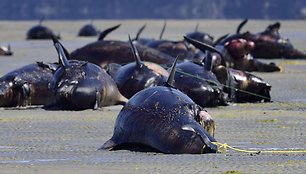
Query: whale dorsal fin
x=135, y=53
x=276, y=26
x=241, y=25
x=63, y=54
x=197, y=27
x=140, y=31
x=41, y=20
x=202, y=46
x=104, y=33
x=163, y=30
x=208, y=61
x=220, y=39
x=172, y=73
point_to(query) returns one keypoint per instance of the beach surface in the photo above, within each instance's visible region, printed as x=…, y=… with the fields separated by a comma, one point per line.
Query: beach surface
x=33, y=140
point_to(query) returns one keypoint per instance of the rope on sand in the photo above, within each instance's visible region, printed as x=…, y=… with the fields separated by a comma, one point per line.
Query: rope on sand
x=223, y=147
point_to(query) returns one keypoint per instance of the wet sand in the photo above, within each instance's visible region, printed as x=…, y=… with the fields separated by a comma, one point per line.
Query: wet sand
x=37, y=141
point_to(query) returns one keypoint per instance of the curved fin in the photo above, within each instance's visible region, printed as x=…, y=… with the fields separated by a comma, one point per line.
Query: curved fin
x=104, y=33
x=276, y=26
x=41, y=20
x=136, y=54
x=206, y=138
x=163, y=30
x=140, y=31
x=241, y=25
x=208, y=61
x=202, y=46
x=197, y=27
x=108, y=145
x=55, y=78
x=62, y=52
x=220, y=39
x=172, y=73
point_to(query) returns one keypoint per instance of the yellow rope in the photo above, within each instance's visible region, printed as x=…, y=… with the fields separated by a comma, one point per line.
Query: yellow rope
x=222, y=148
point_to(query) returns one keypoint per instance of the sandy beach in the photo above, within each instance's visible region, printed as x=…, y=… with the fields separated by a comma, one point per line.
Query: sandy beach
x=33, y=140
